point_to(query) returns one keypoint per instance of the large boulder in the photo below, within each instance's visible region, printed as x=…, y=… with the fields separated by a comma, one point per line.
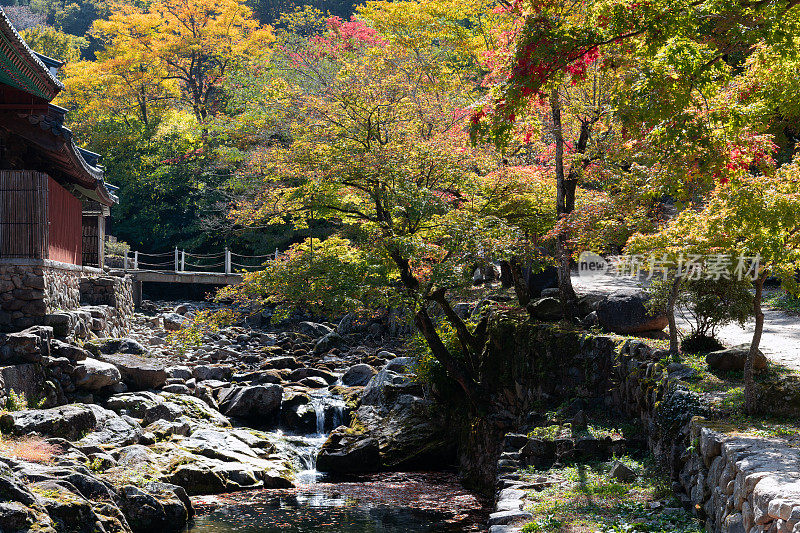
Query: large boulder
x=358, y=375
x=300, y=419
x=22, y=347
x=223, y=444
x=325, y=343
x=91, y=374
x=145, y=405
x=68, y=421
x=159, y=508
x=734, y=358
x=123, y=345
x=411, y=435
x=28, y=379
x=344, y=453
x=134, y=404
x=547, y=309
x=63, y=323
x=385, y=385
x=539, y=281
x=625, y=312
x=179, y=372
x=70, y=351
x=280, y=363
x=302, y=373
x=138, y=373
x=201, y=475
x=313, y=329
x=353, y=323
x=212, y=372
x=111, y=429
x=258, y=402
x=174, y=321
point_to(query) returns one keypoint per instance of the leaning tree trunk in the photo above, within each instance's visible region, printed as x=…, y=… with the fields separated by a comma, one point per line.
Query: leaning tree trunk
x=749, y=381
x=422, y=320
x=455, y=368
x=565, y=201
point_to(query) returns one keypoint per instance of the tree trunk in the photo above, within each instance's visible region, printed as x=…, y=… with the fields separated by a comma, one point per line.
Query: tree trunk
x=506, y=277
x=520, y=284
x=565, y=202
x=468, y=341
x=674, y=349
x=455, y=369
x=749, y=381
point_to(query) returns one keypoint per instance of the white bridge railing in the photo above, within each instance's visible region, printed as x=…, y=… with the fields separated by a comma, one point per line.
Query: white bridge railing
x=226, y=262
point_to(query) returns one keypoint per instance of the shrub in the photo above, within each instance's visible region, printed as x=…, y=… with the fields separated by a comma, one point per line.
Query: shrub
x=699, y=343
x=710, y=303
x=204, y=322
x=18, y=402
x=118, y=248
x=707, y=304
x=314, y=277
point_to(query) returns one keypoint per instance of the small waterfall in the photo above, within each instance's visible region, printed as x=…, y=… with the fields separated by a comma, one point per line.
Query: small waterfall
x=330, y=413
x=319, y=410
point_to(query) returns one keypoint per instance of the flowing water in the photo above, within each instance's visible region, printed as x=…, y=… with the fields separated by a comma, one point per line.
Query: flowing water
x=388, y=503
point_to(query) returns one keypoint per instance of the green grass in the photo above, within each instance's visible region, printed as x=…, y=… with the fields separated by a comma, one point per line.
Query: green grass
x=601, y=424
x=723, y=392
x=584, y=498
x=782, y=301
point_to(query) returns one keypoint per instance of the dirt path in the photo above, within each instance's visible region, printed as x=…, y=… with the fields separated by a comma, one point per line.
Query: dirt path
x=780, y=341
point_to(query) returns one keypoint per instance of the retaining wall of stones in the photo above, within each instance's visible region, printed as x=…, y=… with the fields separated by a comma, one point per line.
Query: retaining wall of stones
x=51, y=293
x=734, y=483
x=29, y=291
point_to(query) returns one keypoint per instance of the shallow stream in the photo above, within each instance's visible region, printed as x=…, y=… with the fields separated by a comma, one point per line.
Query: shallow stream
x=383, y=503
x=388, y=503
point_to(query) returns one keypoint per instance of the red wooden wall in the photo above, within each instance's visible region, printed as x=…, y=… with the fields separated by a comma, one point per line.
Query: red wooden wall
x=65, y=214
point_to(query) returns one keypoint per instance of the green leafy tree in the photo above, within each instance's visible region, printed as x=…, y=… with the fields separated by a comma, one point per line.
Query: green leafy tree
x=53, y=43
x=751, y=216
x=376, y=143
x=73, y=17
x=319, y=278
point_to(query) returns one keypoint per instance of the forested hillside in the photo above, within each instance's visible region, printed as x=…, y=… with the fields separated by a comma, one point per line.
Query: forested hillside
x=166, y=177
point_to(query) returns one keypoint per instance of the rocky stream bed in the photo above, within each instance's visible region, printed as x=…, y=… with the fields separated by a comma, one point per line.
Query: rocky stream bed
x=131, y=432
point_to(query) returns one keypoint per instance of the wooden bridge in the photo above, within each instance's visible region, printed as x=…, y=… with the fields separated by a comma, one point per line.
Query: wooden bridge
x=180, y=266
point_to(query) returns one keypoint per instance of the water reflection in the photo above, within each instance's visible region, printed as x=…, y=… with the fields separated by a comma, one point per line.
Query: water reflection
x=387, y=503
x=320, y=513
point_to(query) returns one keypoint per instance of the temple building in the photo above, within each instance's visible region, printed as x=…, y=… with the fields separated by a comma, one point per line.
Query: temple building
x=53, y=200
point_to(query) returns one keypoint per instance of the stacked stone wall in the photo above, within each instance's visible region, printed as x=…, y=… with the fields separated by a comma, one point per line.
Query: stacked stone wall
x=29, y=292
x=51, y=293
x=62, y=288
x=735, y=483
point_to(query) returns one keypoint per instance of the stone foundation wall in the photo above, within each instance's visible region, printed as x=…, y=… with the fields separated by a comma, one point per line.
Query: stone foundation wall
x=51, y=293
x=62, y=288
x=735, y=483
x=107, y=290
x=28, y=292
x=90, y=321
